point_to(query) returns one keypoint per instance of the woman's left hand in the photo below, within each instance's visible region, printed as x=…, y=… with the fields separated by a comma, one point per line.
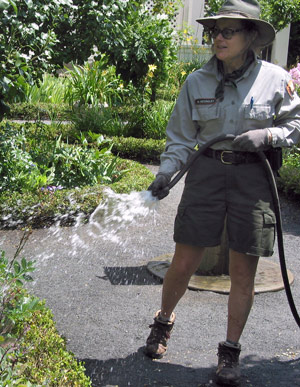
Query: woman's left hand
x=253, y=140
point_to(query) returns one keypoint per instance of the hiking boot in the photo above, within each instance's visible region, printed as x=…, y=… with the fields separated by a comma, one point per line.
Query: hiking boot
x=228, y=371
x=156, y=344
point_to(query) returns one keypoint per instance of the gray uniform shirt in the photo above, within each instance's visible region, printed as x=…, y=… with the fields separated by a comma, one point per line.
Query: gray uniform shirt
x=262, y=98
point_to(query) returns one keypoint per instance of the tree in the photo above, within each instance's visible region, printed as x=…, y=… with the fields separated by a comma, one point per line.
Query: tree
x=26, y=43
x=130, y=36
x=40, y=36
x=279, y=13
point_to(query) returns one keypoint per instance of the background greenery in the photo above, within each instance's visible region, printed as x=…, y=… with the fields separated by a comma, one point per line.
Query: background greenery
x=277, y=12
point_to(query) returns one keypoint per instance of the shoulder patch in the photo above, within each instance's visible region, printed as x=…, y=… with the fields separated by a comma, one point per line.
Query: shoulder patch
x=290, y=88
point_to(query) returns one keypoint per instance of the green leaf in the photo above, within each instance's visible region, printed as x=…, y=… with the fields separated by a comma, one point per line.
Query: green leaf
x=23, y=263
x=27, y=277
x=4, y=4
x=17, y=267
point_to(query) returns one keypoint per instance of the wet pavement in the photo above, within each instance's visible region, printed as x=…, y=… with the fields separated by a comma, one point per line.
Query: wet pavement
x=104, y=298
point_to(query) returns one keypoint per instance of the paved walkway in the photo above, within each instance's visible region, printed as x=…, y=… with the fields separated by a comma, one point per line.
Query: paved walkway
x=103, y=300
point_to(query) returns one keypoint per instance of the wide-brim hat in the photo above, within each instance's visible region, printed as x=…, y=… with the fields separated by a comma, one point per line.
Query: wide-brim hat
x=243, y=10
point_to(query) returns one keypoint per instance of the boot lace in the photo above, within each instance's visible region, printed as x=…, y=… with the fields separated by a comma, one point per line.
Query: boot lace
x=228, y=357
x=160, y=333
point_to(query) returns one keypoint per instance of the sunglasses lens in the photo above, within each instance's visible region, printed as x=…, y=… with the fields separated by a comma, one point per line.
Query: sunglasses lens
x=227, y=33
x=215, y=32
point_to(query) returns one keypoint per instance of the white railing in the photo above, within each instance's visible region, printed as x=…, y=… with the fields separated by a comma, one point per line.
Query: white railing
x=195, y=53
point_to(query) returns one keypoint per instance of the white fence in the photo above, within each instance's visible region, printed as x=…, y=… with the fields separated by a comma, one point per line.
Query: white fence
x=194, y=53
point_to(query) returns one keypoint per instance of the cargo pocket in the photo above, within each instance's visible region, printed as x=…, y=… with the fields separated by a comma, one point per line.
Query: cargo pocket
x=268, y=231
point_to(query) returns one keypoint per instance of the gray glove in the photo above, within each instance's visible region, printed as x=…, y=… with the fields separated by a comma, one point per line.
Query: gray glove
x=252, y=141
x=159, y=187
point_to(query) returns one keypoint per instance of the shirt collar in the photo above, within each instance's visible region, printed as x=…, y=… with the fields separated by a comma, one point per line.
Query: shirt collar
x=211, y=67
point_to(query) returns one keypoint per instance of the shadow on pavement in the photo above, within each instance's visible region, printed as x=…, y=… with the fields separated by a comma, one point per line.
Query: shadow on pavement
x=129, y=275
x=139, y=371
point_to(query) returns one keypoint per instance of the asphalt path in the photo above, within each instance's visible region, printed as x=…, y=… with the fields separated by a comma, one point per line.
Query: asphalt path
x=103, y=299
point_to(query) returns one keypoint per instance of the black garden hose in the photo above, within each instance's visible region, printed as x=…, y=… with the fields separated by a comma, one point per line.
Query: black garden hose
x=276, y=203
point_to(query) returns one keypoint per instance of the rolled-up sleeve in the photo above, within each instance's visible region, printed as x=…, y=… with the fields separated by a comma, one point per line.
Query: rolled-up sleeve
x=181, y=134
x=286, y=130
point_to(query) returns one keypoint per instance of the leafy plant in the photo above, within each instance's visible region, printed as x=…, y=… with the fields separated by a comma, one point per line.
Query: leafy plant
x=280, y=13
x=79, y=165
x=31, y=351
x=15, y=308
x=140, y=41
x=289, y=174
x=156, y=117
x=32, y=161
x=277, y=12
x=130, y=36
x=93, y=84
x=50, y=90
x=97, y=119
x=26, y=43
x=18, y=170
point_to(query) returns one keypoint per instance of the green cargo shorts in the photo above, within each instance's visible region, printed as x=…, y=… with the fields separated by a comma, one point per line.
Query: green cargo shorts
x=238, y=193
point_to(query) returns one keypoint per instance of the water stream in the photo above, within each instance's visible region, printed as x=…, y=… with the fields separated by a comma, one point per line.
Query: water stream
x=112, y=222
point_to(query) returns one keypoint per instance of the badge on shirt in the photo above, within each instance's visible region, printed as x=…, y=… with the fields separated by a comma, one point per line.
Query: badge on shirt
x=205, y=101
x=290, y=88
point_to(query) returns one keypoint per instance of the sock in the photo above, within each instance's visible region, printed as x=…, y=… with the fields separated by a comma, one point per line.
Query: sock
x=232, y=344
x=163, y=319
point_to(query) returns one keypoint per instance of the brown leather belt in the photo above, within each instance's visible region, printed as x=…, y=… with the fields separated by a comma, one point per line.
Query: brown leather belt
x=232, y=157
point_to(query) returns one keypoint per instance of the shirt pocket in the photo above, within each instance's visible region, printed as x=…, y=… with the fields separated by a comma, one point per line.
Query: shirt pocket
x=205, y=113
x=259, y=115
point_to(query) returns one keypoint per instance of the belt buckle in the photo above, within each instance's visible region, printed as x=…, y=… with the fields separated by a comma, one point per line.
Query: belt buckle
x=222, y=157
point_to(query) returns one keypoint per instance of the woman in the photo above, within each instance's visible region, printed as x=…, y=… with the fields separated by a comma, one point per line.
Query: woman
x=234, y=93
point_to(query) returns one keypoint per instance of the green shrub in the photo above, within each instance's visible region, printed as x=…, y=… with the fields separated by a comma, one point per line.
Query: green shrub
x=27, y=39
x=31, y=350
x=289, y=179
x=44, y=359
x=44, y=208
x=29, y=161
x=96, y=119
x=142, y=150
x=40, y=131
x=140, y=121
x=38, y=111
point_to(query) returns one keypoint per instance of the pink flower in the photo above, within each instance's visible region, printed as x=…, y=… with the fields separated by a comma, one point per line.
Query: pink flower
x=295, y=74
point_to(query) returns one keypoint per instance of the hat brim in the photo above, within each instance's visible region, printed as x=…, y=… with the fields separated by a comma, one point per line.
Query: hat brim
x=266, y=32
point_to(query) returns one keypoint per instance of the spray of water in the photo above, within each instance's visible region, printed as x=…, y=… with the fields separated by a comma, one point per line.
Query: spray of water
x=113, y=222
x=119, y=211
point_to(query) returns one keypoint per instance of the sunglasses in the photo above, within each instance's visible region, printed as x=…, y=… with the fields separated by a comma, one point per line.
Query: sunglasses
x=227, y=33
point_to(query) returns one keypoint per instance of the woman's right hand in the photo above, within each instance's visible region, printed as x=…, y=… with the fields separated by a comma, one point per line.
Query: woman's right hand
x=159, y=187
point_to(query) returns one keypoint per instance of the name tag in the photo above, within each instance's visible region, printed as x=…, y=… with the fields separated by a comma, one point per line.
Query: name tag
x=205, y=101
